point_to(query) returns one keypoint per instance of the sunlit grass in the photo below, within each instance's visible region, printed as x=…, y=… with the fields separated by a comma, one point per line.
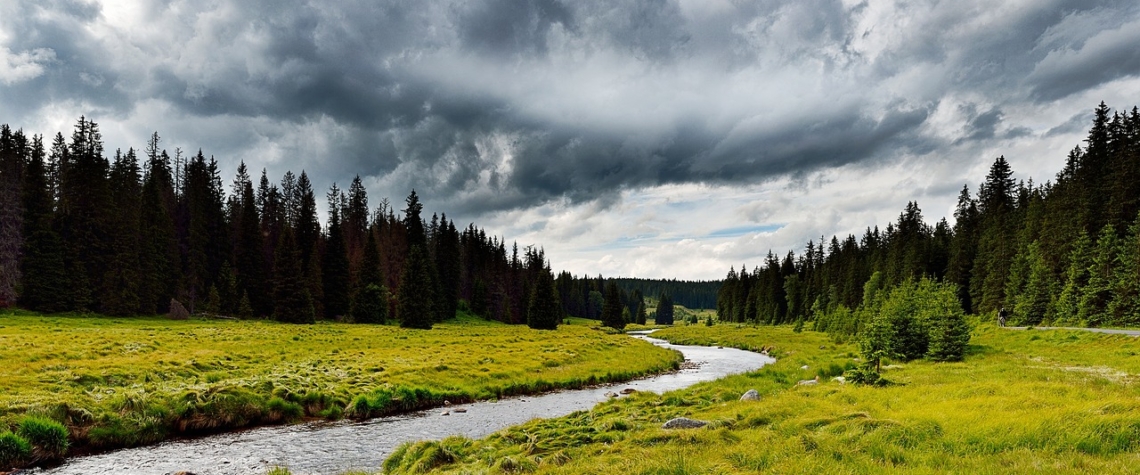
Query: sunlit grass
x=130, y=381
x=1022, y=402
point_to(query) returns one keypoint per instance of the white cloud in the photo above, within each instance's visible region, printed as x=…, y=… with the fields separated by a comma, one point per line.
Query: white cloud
x=23, y=66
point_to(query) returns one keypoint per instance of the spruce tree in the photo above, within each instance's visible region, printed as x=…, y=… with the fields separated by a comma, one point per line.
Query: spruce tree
x=664, y=310
x=544, y=311
x=1077, y=276
x=611, y=307
x=291, y=300
x=45, y=278
x=335, y=274
x=416, y=308
x=12, y=156
x=1033, y=304
x=1096, y=294
x=370, y=304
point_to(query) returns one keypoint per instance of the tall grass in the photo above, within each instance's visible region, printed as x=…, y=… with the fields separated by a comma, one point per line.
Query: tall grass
x=116, y=382
x=1022, y=402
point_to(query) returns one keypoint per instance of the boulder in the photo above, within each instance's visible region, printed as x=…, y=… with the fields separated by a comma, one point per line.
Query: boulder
x=177, y=311
x=611, y=394
x=751, y=395
x=459, y=410
x=628, y=391
x=446, y=413
x=684, y=423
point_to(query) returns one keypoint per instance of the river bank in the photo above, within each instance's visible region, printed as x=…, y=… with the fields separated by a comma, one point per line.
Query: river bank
x=331, y=448
x=1048, y=401
x=119, y=382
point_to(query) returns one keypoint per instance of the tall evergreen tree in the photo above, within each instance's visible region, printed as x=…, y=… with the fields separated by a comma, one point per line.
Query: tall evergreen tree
x=291, y=300
x=611, y=308
x=1096, y=294
x=12, y=156
x=664, y=310
x=335, y=274
x=416, y=300
x=544, y=311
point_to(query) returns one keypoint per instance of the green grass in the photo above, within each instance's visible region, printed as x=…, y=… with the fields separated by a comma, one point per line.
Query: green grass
x=117, y=382
x=1022, y=402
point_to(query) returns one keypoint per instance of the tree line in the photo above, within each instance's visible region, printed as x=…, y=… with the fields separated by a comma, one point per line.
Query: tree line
x=129, y=234
x=1063, y=252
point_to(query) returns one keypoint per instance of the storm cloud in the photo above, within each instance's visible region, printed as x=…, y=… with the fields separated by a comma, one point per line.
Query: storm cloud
x=500, y=106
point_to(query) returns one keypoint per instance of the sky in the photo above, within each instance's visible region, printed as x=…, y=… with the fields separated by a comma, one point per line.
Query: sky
x=654, y=139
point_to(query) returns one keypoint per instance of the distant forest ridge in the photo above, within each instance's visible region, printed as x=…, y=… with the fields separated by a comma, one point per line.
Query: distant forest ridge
x=690, y=294
x=1062, y=252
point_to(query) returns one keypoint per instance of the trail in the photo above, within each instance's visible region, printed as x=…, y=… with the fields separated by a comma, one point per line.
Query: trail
x=1111, y=331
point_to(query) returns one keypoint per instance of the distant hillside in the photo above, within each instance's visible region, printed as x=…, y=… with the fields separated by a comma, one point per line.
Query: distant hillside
x=691, y=294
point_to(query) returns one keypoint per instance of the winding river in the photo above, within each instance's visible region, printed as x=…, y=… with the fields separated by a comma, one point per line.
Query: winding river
x=335, y=447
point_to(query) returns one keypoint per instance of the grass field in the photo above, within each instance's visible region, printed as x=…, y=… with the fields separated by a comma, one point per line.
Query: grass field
x=1022, y=402
x=120, y=382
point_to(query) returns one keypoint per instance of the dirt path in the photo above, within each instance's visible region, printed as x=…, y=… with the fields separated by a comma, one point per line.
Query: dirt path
x=1111, y=331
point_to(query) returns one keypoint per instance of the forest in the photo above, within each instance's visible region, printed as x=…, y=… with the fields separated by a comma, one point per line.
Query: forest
x=137, y=234
x=1063, y=252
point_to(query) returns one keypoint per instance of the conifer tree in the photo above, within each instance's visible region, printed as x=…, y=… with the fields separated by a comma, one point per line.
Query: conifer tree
x=1077, y=276
x=335, y=274
x=12, y=156
x=370, y=305
x=544, y=310
x=120, y=290
x=1096, y=294
x=1033, y=304
x=252, y=275
x=611, y=307
x=416, y=306
x=291, y=300
x=664, y=310
x=45, y=278
x=160, y=266
x=1125, y=305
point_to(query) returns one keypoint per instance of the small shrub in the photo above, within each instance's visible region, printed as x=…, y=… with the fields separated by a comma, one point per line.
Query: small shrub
x=48, y=437
x=14, y=450
x=866, y=376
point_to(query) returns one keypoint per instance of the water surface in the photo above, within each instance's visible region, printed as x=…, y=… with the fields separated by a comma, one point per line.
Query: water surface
x=335, y=447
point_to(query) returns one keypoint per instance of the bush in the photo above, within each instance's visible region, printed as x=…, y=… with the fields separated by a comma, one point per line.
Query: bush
x=865, y=376
x=48, y=437
x=14, y=450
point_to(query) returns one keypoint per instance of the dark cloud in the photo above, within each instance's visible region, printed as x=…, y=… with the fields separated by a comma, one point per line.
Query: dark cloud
x=505, y=104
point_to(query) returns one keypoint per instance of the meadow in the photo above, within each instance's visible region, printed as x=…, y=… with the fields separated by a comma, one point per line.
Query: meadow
x=116, y=382
x=1022, y=402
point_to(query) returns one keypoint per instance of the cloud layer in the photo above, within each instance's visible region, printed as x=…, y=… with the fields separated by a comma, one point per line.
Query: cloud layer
x=509, y=107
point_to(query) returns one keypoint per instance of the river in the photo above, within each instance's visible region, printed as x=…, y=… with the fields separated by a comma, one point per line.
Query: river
x=335, y=447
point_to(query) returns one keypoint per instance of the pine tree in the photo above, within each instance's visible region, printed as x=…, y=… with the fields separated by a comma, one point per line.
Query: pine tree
x=1095, y=296
x=1125, y=305
x=1077, y=276
x=249, y=254
x=291, y=300
x=611, y=308
x=12, y=156
x=1033, y=304
x=416, y=306
x=544, y=310
x=45, y=283
x=335, y=274
x=120, y=290
x=370, y=304
x=159, y=257
x=640, y=316
x=664, y=310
